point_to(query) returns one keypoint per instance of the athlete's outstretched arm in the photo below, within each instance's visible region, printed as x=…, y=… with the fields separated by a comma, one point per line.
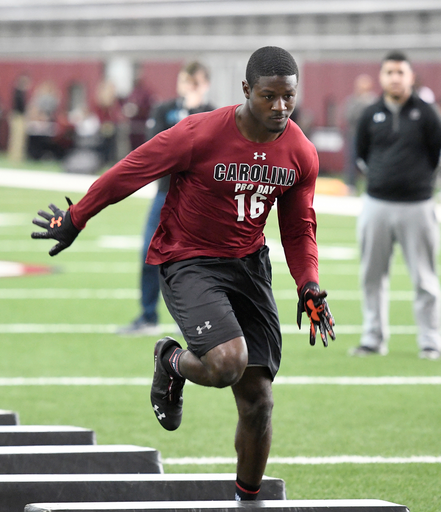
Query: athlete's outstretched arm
x=147, y=163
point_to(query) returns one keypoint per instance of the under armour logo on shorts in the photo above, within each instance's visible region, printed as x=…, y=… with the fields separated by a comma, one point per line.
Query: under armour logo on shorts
x=206, y=326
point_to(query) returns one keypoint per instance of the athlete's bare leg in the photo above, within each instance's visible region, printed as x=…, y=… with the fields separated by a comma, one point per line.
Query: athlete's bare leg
x=221, y=366
x=225, y=365
x=254, y=401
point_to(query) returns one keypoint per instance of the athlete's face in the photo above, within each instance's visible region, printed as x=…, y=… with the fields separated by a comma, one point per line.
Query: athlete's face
x=272, y=100
x=397, y=79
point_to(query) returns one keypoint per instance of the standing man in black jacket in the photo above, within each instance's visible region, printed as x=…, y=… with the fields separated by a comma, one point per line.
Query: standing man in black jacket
x=398, y=144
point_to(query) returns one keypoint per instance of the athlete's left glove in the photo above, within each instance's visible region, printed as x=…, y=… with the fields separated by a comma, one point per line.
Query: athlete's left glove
x=59, y=226
x=313, y=301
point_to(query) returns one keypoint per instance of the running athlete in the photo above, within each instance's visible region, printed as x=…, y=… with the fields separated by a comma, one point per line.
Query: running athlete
x=228, y=167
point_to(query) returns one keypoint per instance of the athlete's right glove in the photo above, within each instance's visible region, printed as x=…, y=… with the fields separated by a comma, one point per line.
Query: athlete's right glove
x=59, y=226
x=313, y=301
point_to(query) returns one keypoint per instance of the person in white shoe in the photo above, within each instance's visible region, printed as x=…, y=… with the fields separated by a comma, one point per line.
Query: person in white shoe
x=398, y=146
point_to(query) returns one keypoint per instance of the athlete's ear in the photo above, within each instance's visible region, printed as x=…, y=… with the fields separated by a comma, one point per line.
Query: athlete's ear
x=246, y=89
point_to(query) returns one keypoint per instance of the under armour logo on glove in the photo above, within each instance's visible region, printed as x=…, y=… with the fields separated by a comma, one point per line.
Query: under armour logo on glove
x=57, y=222
x=59, y=226
x=313, y=301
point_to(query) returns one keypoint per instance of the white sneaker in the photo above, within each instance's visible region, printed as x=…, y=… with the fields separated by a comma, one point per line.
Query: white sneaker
x=363, y=351
x=139, y=327
x=429, y=353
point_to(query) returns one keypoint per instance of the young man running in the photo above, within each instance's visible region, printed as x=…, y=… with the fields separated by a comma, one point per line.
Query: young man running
x=228, y=167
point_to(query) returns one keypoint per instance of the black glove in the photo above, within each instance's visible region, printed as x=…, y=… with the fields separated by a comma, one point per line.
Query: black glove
x=59, y=227
x=313, y=301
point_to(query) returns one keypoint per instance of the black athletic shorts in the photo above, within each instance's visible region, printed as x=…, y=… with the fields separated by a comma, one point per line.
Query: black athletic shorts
x=214, y=300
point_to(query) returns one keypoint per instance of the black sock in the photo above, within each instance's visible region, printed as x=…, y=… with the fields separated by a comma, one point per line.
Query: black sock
x=170, y=360
x=246, y=492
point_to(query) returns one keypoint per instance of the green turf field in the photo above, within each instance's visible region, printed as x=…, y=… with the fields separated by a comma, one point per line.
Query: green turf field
x=332, y=438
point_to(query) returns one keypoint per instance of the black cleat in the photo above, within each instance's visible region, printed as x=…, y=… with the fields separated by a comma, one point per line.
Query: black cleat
x=166, y=392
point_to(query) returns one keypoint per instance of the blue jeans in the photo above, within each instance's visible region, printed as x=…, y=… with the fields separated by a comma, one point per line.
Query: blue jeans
x=150, y=273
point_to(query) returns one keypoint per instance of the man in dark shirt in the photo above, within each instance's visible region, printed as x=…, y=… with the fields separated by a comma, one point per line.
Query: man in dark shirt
x=193, y=83
x=398, y=144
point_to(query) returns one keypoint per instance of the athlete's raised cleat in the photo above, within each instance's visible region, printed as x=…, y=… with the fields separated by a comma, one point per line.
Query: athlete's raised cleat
x=166, y=392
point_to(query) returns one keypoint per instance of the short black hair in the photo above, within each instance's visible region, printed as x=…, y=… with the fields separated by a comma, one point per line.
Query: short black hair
x=270, y=61
x=396, y=56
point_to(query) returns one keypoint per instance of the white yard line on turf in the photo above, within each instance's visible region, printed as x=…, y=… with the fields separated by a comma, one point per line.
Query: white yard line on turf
x=69, y=182
x=111, y=328
x=279, y=381
x=134, y=293
x=63, y=182
x=133, y=243
x=68, y=293
x=339, y=459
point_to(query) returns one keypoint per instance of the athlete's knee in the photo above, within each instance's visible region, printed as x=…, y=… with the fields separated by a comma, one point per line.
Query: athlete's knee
x=257, y=411
x=226, y=363
x=226, y=373
x=259, y=405
x=254, y=398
